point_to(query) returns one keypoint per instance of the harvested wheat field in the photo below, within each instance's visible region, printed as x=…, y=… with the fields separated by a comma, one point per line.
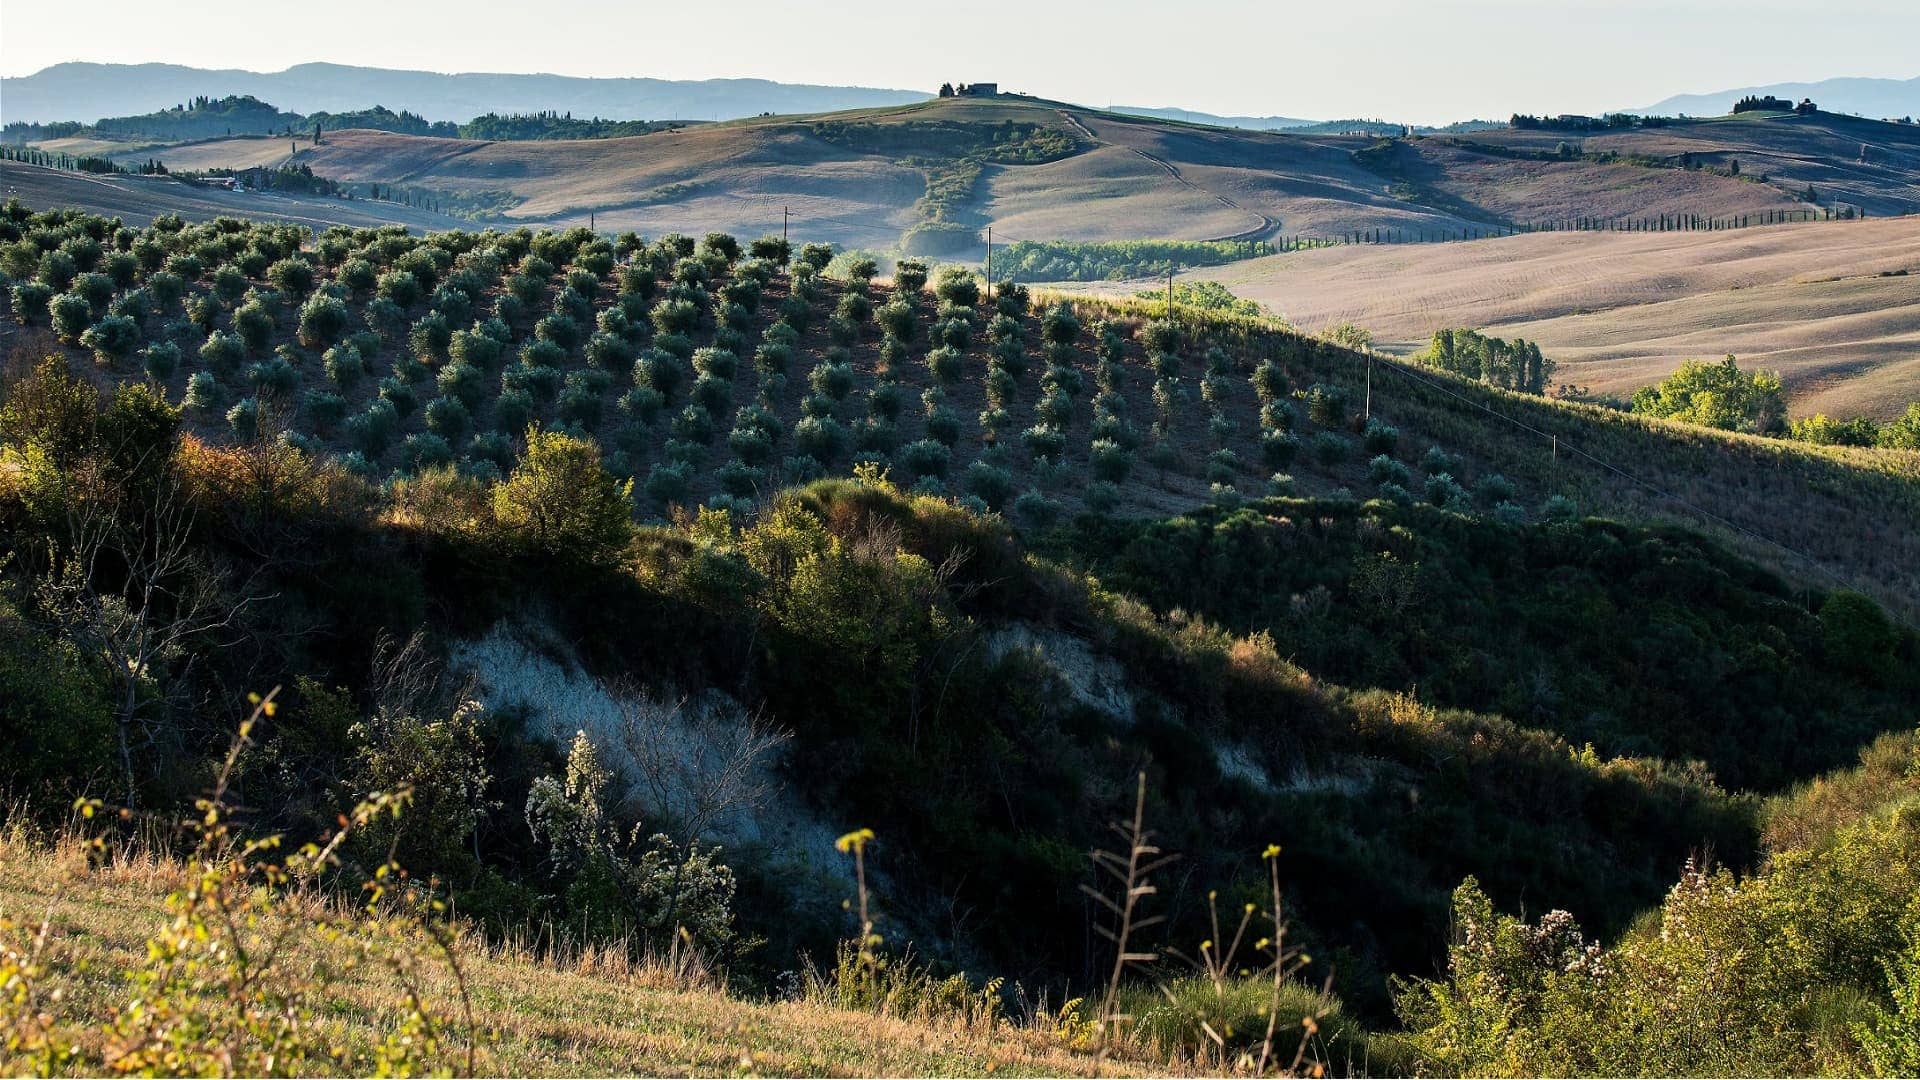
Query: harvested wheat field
x=1824, y=302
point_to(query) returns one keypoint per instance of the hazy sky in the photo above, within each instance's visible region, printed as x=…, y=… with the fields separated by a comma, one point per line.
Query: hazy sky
x=1415, y=60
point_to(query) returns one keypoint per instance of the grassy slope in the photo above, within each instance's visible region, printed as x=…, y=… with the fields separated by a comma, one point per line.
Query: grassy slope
x=543, y=1019
x=1620, y=310
x=1135, y=177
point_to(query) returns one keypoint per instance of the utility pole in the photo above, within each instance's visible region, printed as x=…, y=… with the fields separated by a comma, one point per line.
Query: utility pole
x=1367, y=413
x=1169, y=296
x=783, y=224
x=989, y=263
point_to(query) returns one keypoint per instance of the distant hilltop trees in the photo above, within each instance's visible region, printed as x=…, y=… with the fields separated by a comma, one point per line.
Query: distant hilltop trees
x=1769, y=103
x=211, y=118
x=1575, y=122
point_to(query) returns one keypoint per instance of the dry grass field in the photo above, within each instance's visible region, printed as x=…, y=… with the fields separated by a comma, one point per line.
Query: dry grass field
x=590, y=1017
x=1619, y=310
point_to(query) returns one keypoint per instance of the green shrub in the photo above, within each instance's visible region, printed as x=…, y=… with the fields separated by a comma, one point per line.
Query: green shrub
x=291, y=276
x=1327, y=405
x=832, y=380
x=1494, y=489
x=1110, y=461
x=372, y=431
x=1044, y=443
x=1036, y=510
x=820, y=437
x=875, y=434
x=1444, y=491
x=883, y=401
x=668, y=482
x=560, y=501
x=718, y=363
x=272, y=378
x=161, y=359
x=424, y=450
x=449, y=418
x=1384, y=470
x=1436, y=461
x=897, y=320
x=30, y=301
x=203, y=393
x=1278, y=449
x=358, y=275
x=133, y=304
x=512, y=410
x=324, y=409
x=1856, y=634
x=694, y=424
x=244, y=418
x=943, y=426
x=400, y=287
x=1330, y=448
x=222, y=353
x=463, y=382
x=1380, y=438
x=71, y=316
x=925, y=458
x=113, y=338
x=642, y=404
x=229, y=283
x=956, y=285
x=398, y=392
x=946, y=364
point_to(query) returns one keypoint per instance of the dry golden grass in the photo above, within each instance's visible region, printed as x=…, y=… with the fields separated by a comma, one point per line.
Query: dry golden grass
x=596, y=1015
x=1620, y=310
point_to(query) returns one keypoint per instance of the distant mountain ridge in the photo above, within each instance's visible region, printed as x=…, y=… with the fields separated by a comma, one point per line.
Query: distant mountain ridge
x=1876, y=98
x=89, y=92
x=1191, y=116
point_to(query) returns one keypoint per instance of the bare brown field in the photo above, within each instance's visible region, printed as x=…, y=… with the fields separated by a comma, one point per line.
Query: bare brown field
x=1619, y=310
x=1521, y=190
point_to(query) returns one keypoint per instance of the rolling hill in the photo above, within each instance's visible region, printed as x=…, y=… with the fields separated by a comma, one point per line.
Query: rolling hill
x=1835, y=306
x=140, y=199
x=1044, y=170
